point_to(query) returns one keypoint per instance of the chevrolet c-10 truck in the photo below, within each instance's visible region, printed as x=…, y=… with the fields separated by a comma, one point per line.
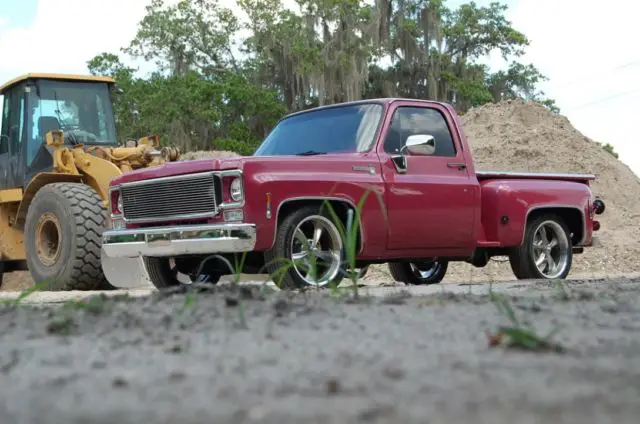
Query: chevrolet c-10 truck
x=428, y=204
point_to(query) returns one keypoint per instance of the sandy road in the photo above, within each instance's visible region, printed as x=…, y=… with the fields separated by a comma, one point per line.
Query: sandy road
x=375, y=289
x=280, y=357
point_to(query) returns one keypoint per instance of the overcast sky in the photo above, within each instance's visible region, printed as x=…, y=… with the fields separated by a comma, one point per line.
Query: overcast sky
x=590, y=54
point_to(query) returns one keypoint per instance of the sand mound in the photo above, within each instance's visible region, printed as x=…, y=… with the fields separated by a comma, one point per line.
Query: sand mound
x=207, y=154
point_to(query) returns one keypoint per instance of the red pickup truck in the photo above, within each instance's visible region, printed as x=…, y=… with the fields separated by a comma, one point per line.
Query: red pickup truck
x=428, y=206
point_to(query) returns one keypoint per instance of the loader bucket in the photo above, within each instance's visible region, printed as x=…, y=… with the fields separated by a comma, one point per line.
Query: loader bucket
x=125, y=273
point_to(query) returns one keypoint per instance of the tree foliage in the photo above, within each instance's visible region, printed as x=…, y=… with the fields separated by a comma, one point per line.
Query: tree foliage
x=222, y=81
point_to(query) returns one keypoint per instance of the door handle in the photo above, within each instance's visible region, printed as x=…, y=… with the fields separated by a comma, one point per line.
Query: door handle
x=459, y=165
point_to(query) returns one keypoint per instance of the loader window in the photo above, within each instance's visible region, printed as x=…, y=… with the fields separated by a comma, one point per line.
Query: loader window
x=4, y=130
x=82, y=110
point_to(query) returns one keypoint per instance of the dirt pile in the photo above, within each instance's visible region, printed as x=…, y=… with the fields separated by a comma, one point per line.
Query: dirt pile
x=205, y=154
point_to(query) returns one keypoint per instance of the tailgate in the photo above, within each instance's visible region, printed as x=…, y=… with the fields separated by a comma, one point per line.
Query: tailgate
x=495, y=175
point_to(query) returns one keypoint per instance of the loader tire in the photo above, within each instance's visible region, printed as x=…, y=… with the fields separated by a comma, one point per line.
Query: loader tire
x=63, y=238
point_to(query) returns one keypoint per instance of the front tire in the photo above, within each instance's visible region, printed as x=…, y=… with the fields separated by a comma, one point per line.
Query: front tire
x=164, y=273
x=418, y=273
x=63, y=237
x=546, y=252
x=309, y=227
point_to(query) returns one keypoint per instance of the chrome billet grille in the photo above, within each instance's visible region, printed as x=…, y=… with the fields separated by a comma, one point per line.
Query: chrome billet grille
x=170, y=198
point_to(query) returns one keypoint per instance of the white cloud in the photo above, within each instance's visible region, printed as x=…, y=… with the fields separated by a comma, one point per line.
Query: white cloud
x=3, y=21
x=64, y=34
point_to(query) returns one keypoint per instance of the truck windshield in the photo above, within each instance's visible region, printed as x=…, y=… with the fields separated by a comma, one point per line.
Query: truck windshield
x=82, y=110
x=350, y=128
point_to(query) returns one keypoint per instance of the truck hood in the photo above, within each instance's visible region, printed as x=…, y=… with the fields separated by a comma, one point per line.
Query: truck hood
x=258, y=163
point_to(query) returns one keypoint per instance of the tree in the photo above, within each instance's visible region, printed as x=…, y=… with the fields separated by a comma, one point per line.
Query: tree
x=212, y=89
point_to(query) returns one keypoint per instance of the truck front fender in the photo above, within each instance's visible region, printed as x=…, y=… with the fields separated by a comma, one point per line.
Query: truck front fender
x=340, y=206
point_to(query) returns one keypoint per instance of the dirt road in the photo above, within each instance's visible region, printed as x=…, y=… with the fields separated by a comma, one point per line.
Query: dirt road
x=313, y=358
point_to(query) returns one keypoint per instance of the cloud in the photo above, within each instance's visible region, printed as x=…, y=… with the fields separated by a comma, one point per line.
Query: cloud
x=65, y=34
x=3, y=21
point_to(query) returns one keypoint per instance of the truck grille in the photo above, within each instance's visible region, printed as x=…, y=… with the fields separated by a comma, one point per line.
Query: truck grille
x=189, y=196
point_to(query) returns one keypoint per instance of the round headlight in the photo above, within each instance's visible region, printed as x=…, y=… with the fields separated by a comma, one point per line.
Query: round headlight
x=235, y=190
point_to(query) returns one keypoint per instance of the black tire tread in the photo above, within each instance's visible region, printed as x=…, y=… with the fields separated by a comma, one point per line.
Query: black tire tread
x=158, y=270
x=90, y=218
x=397, y=271
x=401, y=272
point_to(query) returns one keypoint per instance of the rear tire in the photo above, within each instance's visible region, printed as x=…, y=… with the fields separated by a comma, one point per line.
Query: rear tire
x=418, y=273
x=548, y=240
x=164, y=275
x=63, y=237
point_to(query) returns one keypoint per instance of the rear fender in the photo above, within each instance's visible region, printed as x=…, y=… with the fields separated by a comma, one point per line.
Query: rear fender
x=507, y=206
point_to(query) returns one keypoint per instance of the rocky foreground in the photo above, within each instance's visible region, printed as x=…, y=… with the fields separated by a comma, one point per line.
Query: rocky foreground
x=230, y=356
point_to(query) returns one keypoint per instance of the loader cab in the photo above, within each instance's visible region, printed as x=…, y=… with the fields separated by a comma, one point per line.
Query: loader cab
x=35, y=104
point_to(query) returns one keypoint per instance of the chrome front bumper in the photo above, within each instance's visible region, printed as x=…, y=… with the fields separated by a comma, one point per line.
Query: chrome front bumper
x=183, y=240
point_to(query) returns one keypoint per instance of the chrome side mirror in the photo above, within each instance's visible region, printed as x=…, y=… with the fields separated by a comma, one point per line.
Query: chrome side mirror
x=420, y=145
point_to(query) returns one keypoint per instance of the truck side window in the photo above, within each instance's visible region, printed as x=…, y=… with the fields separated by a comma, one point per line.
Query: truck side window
x=408, y=121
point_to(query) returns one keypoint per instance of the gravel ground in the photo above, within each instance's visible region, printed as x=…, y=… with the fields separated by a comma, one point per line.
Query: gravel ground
x=312, y=358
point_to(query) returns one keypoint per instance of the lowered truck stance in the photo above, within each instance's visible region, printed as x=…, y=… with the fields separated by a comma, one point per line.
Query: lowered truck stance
x=428, y=205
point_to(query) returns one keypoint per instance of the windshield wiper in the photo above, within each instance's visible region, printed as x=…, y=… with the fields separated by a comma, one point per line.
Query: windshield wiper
x=310, y=153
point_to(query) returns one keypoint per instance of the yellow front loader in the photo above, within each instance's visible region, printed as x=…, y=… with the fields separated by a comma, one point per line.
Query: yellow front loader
x=58, y=153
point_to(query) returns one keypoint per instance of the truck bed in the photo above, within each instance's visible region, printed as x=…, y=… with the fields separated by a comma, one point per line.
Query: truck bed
x=492, y=175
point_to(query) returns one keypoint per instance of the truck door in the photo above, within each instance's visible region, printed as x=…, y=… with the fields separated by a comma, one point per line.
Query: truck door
x=432, y=200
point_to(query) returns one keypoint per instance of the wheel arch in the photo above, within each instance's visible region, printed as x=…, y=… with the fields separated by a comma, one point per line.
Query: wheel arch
x=572, y=216
x=339, y=204
x=40, y=180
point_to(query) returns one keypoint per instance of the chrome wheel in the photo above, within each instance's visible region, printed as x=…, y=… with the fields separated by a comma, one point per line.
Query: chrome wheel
x=316, y=250
x=425, y=270
x=550, y=249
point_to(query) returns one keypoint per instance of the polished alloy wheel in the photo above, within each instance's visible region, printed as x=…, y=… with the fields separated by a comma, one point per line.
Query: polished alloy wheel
x=316, y=248
x=425, y=270
x=550, y=249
